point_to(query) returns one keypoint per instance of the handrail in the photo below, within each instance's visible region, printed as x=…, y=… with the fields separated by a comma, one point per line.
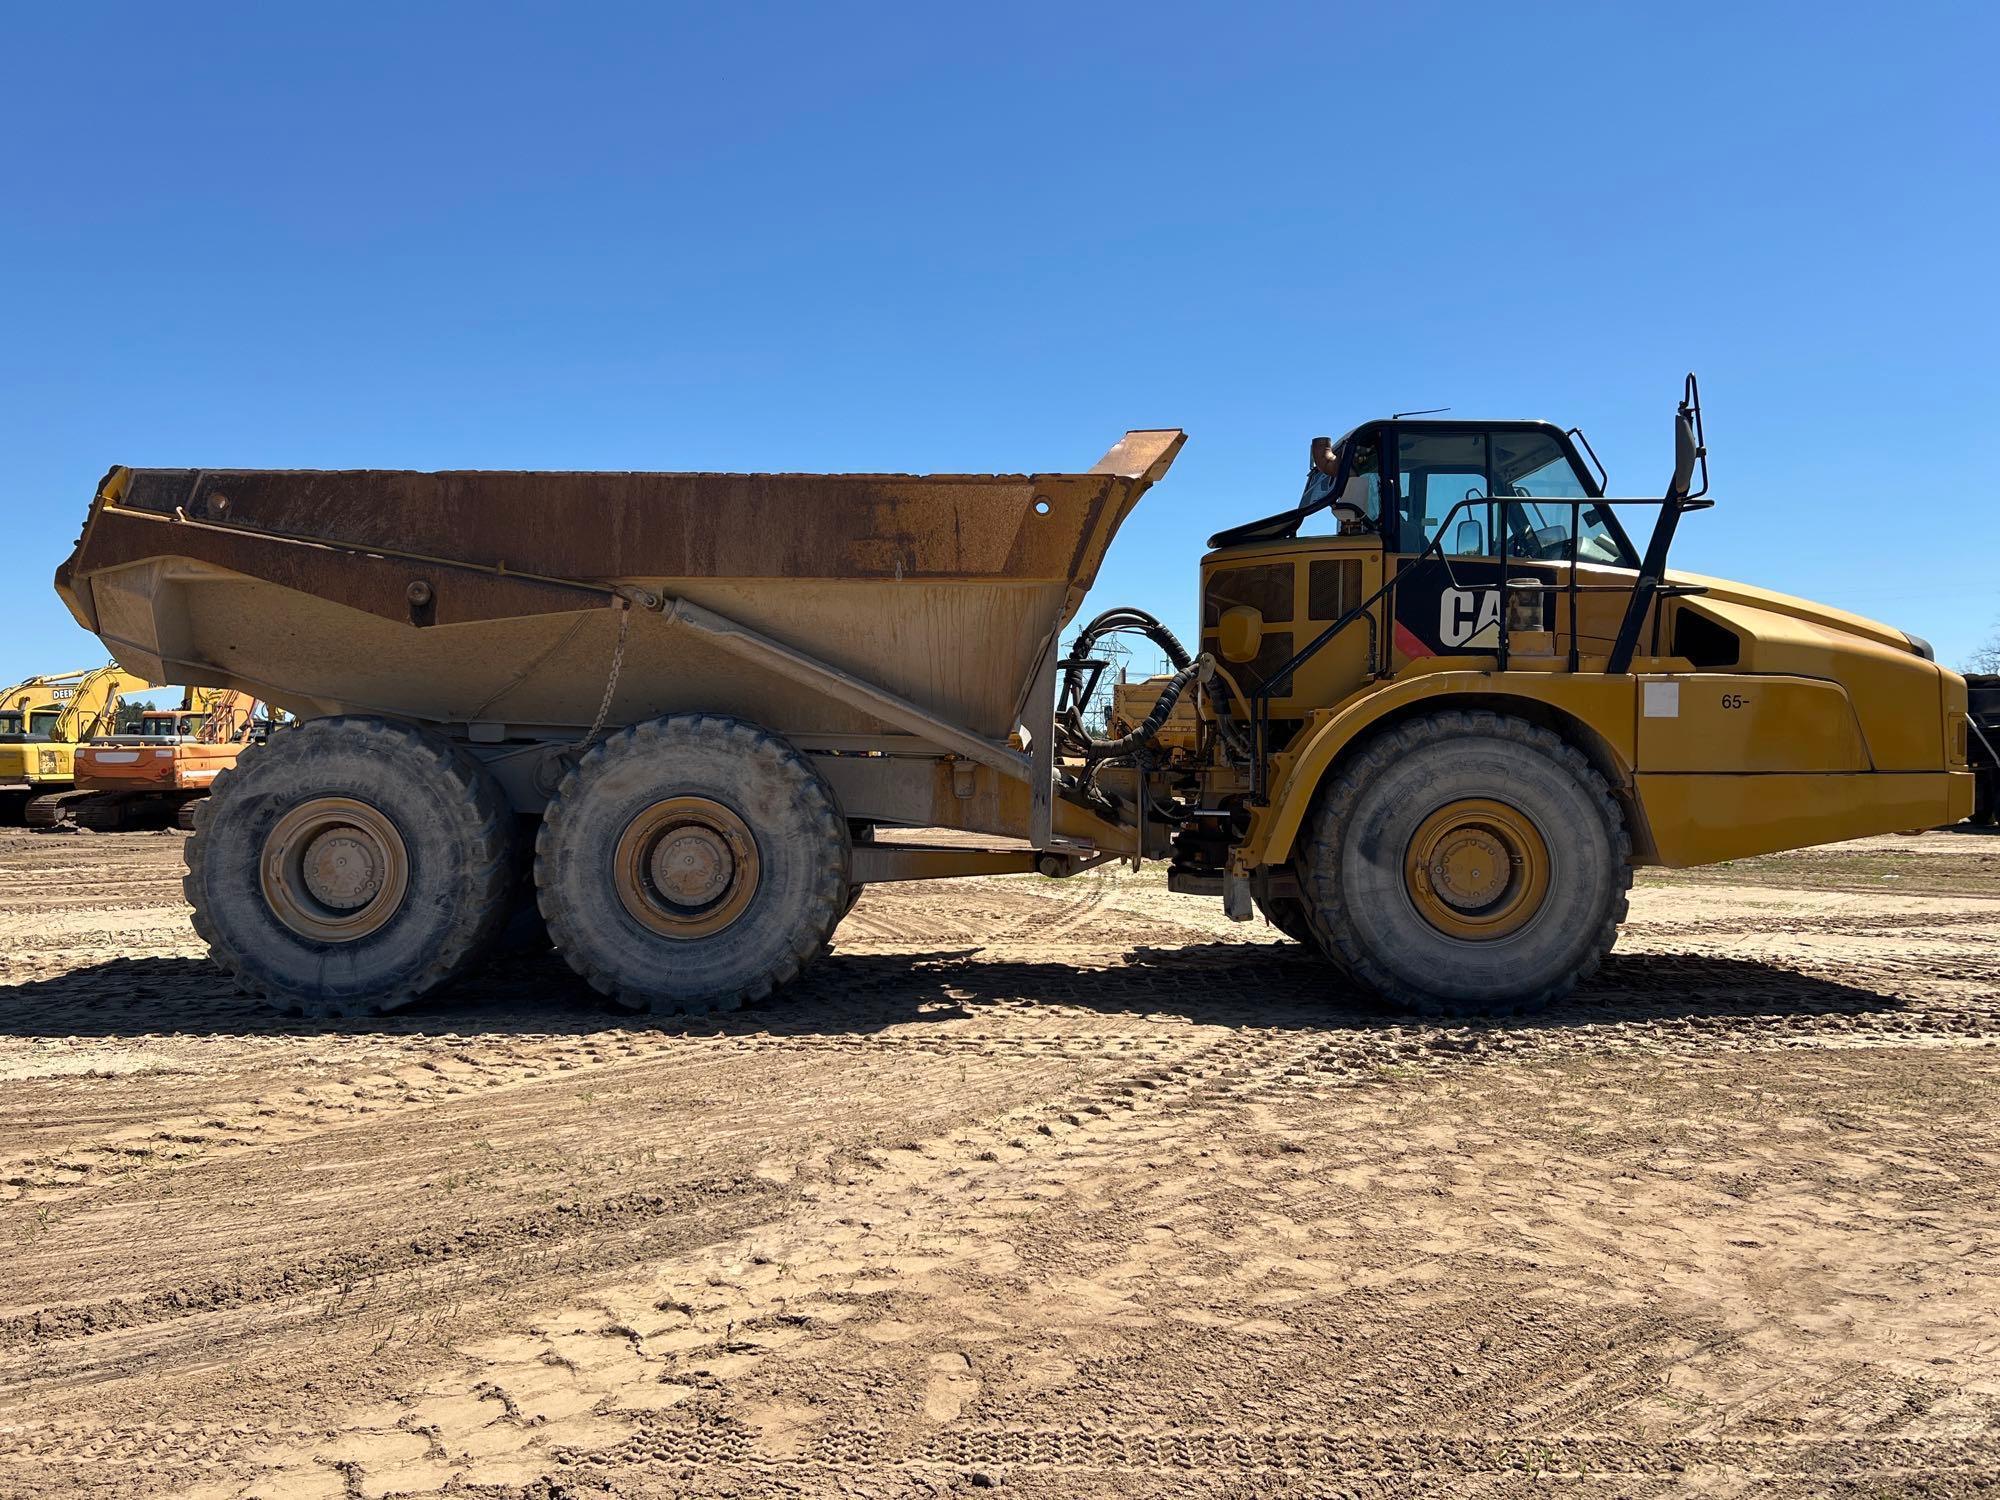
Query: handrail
x=1433, y=552
x=1691, y=450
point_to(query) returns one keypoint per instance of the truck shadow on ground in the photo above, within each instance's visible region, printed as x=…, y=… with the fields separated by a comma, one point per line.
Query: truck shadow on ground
x=1223, y=984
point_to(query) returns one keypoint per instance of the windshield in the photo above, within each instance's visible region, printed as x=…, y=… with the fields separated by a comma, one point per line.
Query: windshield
x=10, y=722
x=1543, y=530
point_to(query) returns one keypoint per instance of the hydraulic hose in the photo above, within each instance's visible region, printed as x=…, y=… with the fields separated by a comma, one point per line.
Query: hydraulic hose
x=1125, y=617
x=1080, y=681
x=1221, y=687
x=1080, y=676
x=1149, y=728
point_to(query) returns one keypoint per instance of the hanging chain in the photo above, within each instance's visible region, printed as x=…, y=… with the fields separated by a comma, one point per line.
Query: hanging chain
x=610, y=682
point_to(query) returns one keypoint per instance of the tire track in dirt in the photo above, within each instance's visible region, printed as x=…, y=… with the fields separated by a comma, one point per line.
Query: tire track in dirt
x=1118, y=1141
x=41, y=1328
x=1984, y=924
x=606, y=1346
x=716, y=1459
x=408, y=1081
x=650, y=1064
x=666, y=1369
x=698, y=1303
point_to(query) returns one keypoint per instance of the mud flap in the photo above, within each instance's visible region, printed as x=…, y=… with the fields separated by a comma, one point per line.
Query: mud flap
x=1237, y=903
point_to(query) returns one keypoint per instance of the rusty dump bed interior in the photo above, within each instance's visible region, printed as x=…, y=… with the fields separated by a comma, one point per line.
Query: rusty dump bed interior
x=489, y=597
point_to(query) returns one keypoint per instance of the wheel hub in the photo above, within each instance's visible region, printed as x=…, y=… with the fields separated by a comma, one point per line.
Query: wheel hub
x=686, y=867
x=1477, y=870
x=334, y=869
x=1470, y=868
x=341, y=869
x=692, y=866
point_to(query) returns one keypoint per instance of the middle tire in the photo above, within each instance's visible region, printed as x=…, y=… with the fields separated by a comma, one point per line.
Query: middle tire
x=691, y=863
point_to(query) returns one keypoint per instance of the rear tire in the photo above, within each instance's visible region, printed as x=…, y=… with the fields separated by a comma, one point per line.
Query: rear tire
x=691, y=863
x=1467, y=863
x=349, y=866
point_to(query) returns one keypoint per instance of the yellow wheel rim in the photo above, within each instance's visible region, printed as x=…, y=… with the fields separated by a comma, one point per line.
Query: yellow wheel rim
x=1477, y=870
x=686, y=867
x=334, y=870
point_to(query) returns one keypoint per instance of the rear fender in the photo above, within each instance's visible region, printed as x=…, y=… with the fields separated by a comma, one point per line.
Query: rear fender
x=1592, y=711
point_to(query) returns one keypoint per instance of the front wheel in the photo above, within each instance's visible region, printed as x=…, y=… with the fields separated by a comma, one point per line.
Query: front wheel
x=1288, y=915
x=1467, y=862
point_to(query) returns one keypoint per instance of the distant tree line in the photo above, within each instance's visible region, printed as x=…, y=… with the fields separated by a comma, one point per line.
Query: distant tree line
x=1987, y=657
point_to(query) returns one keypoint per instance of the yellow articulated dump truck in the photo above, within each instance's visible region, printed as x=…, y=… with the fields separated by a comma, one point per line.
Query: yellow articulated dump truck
x=1438, y=710
x=43, y=719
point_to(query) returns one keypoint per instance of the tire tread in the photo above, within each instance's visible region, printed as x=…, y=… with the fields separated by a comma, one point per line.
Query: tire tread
x=466, y=942
x=1319, y=864
x=810, y=795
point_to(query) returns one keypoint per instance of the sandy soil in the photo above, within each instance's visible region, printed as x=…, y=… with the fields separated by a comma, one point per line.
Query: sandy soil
x=1060, y=1188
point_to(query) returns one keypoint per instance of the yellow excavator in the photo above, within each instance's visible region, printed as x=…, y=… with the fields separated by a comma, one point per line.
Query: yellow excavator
x=43, y=719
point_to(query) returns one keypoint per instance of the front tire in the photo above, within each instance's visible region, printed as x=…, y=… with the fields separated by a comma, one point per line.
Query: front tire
x=350, y=865
x=1288, y=915
x=691, y=863
x=1467, y=863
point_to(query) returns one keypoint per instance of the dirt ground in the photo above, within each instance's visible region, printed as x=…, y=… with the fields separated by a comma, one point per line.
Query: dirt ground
x=1061, y=1189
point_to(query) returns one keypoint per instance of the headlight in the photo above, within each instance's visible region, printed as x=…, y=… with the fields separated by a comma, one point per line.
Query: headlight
x=1921, y=646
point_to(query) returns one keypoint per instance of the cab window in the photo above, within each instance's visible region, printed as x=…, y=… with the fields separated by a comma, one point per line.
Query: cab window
x=1439, y=469
x=1435, y=472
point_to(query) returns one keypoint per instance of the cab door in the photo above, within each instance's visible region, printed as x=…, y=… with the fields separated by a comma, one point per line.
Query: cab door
x=1446, y=488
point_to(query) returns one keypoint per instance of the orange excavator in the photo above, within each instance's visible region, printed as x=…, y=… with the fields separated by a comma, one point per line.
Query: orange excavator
x=157, y=775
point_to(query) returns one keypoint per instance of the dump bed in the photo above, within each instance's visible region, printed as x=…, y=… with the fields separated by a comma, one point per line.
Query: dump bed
x=492, y=597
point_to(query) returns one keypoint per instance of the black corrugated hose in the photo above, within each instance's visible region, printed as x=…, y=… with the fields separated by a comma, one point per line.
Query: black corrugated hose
x=1080, y=680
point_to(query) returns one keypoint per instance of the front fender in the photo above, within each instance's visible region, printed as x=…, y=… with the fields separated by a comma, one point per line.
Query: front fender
x=1602, y=707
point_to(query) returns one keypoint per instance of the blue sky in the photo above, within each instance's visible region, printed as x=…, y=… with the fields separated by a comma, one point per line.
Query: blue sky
x=948, y=238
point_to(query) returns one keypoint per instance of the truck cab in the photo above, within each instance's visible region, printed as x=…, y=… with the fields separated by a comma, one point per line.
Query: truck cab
x=1484, y=560
x=1419, y=502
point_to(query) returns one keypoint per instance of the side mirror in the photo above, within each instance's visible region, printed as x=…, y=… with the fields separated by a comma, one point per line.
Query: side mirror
x=1686, y=451
x=1241, y=633
x=1467, y=542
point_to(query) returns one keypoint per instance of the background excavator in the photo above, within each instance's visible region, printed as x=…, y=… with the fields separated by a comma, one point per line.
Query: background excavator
x=157, y=772
x=43, y=719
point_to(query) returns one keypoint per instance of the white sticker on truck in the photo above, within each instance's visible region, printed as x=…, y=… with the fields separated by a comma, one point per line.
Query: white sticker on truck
x=1663, y=700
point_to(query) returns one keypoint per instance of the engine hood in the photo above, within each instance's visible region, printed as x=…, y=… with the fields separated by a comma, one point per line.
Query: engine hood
x=1727, y=591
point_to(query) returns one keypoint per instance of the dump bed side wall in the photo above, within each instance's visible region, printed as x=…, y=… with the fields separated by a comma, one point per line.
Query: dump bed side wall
x=488, y=597
x=601, y=526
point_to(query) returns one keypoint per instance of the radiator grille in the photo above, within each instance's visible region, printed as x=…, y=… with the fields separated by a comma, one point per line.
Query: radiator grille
x=1333, y=587
x=1266, y=589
